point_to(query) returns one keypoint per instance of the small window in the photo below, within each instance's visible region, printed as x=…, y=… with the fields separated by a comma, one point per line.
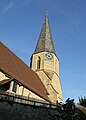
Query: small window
x=38, y=63
x=14, y=87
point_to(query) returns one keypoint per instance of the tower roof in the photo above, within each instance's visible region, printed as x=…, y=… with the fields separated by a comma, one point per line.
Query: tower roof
x=45, y=42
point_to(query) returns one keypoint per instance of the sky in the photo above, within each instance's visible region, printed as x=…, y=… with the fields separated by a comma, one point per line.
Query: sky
x=20, y=25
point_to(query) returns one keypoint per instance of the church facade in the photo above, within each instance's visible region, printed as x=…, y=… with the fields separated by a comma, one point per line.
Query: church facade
x=42, y=79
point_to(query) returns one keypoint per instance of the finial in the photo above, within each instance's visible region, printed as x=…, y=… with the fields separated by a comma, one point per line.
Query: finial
x=46, y=13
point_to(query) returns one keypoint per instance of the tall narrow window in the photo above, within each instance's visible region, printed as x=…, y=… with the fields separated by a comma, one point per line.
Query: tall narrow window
x=31, y=62
x=38, y=63
x=14, y=87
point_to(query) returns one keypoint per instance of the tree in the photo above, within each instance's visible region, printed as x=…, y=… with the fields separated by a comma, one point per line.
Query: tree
x=82, y=101
x=66, y=111
x=69, y=110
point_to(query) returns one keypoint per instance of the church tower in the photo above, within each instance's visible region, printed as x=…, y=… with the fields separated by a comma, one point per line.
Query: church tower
x=45, y=63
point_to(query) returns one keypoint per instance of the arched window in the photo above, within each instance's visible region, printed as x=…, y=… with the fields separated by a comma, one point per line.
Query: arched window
x=38, y=63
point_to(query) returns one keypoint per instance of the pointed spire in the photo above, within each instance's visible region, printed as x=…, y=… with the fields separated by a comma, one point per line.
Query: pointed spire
x=45, y=42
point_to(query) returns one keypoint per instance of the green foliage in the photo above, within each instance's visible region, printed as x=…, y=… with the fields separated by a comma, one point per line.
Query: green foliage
x=69, y=111
x=66, y=111
x=82, y=101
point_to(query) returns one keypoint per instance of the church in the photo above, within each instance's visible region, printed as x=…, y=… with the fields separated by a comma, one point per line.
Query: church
x=39, y=81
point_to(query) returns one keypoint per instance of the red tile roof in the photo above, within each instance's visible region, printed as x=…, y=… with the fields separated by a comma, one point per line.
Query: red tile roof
x=17, y=69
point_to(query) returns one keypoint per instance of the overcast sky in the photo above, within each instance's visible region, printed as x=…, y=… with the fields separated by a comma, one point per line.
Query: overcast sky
x=20, y=25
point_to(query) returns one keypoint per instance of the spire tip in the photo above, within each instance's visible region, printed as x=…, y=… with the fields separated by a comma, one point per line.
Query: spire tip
x=46, y=13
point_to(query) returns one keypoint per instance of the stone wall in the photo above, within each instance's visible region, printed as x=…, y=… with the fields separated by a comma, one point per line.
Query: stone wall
x=15, y=111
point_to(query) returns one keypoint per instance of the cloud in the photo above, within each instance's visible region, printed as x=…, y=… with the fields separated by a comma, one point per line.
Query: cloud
x=7, y=8
x=16, y=4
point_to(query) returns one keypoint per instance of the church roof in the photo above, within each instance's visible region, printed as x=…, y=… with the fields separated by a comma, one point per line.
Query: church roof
x=17, y=69
x=45, y=42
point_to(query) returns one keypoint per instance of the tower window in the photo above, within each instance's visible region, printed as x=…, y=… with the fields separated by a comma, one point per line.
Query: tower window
x=38, y=63
x=31, y=62
x=14, y=87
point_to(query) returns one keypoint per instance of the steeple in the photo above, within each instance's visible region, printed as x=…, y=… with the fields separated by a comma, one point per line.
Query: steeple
x=45, y=42
x=46, y=63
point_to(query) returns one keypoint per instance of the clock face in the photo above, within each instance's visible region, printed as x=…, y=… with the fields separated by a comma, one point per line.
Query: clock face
x=49, y=56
